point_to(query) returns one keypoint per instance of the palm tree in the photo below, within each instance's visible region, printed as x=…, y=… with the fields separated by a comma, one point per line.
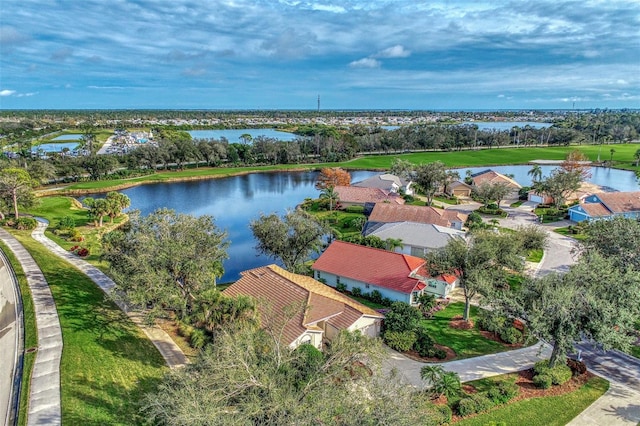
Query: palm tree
x=535, y=173
x=442, y=382
x=330, y=194
x=611, y=151
x=637, y=157
x=393, y=243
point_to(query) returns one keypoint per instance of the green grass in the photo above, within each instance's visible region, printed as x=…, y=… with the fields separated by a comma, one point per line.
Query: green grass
x=516, y=204
x=535, y=255
x=515, y=282
x=446, y=200
x=107, y=362
x=367, y=302
x=567, y=232
x=545, y=411
x=30, y=333
x=466, y=343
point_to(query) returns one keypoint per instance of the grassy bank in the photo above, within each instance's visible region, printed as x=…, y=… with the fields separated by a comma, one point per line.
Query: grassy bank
x=107, y=362
x=30, y=333
x=544, y=411
x=623, y=158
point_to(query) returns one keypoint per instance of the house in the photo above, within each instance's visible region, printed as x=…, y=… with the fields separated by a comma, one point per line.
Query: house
x=416, y=238
x=390, y=213
x=606, y=205
x=387, y=182
x=308, y=311
x=399, y=277
x=459, y=189
x=357, y=196
x=536, y=197
x=491, y=177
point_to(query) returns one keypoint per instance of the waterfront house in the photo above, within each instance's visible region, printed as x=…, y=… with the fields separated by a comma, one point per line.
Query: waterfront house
x=606, y=205
x=357, y=196
x=459, y=189
x=390, y=213
x=416, y=239
x=387, y=182
x=398, y=277
x=303, y=309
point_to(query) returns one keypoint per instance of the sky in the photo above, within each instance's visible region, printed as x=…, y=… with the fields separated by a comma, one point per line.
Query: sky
x=283, y=54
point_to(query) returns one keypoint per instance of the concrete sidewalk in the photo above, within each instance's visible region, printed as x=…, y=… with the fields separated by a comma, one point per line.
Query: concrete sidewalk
x=44, y=393
x=172, y=354
x=619, y=406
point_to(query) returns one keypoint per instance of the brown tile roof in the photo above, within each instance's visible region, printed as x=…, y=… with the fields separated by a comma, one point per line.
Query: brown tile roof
x=295, y=302
x=355, y=194
x=387, y=213
x=595, y=209
x=489, y=176
x=621, y=202
x=370, y=265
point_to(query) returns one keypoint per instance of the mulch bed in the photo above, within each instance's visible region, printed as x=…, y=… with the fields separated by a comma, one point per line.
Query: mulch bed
x=459, y=324
x=416, y=356
x=490, y=335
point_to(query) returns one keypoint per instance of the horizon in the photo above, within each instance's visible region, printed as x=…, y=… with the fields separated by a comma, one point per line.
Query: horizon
x=269, y=55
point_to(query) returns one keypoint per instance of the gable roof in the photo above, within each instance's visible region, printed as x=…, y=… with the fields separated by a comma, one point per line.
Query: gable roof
x=383, y=181
x=621, y=202
x=458, y=183
x=416, y=234
x=355, y=194
x=420, y=214
x=489, y=176
x=370, y=265
x=311, y=301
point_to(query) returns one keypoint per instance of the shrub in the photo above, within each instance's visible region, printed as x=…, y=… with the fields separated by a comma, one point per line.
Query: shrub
x=541, y=367
x=472, y=404
x=355, y=209
x=502, y=392
x=424, y=343
x=25, y=223
x=492, y=206
x=560, y=374
x=356, y=291
x=543, y=380
x=437, y=415
x=466, y=407
x=400, y=341
x=184, y=329
x=402, y=317
x=198, y=338
x=66, y=223
x=386, y=301
x=76, y=236
x=341, y=287
x=490, y=321
x=439, y=353
x=577, y=367
x=79, y=251
x=376, y=296
x=511, y=335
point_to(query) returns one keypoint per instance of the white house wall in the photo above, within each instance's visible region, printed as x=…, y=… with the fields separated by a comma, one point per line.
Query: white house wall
x=350, y=284
x=368, y=326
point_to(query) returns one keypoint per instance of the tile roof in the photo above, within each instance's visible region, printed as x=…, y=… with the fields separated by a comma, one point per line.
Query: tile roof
x=383, y=212
x=489, y=176
x=370, y=265
x=416, y=234
x=621, y=202
x=355, y=194
x=595, y=209
x=296, y=302
x=383, y=181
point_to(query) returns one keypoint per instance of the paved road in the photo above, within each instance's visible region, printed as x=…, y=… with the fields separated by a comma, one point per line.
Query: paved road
x=11, y=342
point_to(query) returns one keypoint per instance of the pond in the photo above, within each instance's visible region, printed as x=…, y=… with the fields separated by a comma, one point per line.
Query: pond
x=508, y=125
x=233, y=202
x=233, y=135
x=55, y=147
x=69, y=137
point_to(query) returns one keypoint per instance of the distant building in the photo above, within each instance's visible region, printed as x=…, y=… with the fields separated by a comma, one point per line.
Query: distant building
x=491, y=177
x=389, y=213
x=387, y=182
x=606, y=205
x=459, y=189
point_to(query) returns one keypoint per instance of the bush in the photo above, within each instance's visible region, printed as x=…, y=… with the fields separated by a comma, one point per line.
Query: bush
x=400, y=341
x=197, y=338
x=67, y=223
x=492, y=206
x=386, y=301
x=79, y=251
x=511, y=335
x=184, y=329
x=25, y=223
x=543, y=381
x=402, y=317
x=356, y=291
x=476, y=403
x=354, y=209
x=76, y=236
x=502, y=392
x=466, y=407
x=341, y=287
x=560, y=374
x=424, y=343
x=376, y=297
x=490, y=321
x=577, y=367
x=437, y=415
x=439, y=353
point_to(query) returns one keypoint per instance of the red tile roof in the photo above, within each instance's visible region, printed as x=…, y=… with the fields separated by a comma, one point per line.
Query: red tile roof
x=355, y=194
x=278, y=291
x=489, y=176
x=370, y=265
x=388, y=213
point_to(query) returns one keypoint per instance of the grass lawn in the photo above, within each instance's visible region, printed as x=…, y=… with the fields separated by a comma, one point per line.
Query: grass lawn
x=535, y=255
x=446, y=200
x=567, y=232
x=466, y=343
x=107, y=362
x=516, y=204
x=367, y=302
x=30, y=333
x=544, y=411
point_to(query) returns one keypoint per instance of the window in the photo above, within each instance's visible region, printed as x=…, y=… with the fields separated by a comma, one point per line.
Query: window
x=338, y=280
x=367, y=285
x=433, y=285
x=414, y=297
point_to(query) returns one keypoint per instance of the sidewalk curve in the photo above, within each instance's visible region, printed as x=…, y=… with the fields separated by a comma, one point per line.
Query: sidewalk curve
x=172, y=354
x=44, y=394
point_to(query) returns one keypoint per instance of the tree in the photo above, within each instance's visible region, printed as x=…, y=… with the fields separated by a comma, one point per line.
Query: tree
x=636, y=155
x=330, y=195
x=98, y=209
x=166, y=260
x=535, y=173
x=479, y=263
x=98, y=166
x=583, y=304
x=431, y=178
x=576, y=161
x=332, y=177
x=248, y=377
x=16, y=188
x=401, y=317
x=291, y=238
x=611, y=151
x=116, y=202
x=618, y=239
x=560, y=184
x=441, y=382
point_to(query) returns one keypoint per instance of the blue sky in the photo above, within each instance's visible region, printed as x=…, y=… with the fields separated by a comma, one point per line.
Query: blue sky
x=270, y=54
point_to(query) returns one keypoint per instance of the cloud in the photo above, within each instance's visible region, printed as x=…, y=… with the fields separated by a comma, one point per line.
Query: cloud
x=290, y=44
x=106, y=87
x=397, y=51
x=328, y=8
x=365, y=63
x=21, y=95
x=194, y=72
x=7, y=92
x=61, y=55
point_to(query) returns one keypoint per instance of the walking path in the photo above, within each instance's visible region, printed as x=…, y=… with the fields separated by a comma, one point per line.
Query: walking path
x=172, y=354
x=44, y=395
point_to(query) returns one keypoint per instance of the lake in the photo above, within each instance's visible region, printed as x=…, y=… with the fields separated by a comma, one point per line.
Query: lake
x=507, y=125
x=233, y=202
x=71, y=137
x=55, y=147
x=233, y=135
